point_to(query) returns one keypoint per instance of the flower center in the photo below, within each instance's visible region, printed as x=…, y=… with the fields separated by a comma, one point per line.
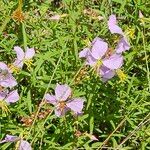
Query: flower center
x=2, y=89
x=61, y=106
x=4, y=107
x=109, y=52
x=13, y=68
x=28, y=62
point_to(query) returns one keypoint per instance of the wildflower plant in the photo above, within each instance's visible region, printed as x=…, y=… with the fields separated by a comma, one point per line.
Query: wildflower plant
x=51, y=94
x=106, y=61
x=63, y=102
x=23, y=57
x=97, y=57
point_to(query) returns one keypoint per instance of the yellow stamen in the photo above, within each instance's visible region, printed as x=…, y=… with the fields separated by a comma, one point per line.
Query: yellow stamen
x=29, y=63
x=142, y=21
x=95, y=68
x=116, y=38
x=98, y=65
x=130, y=32
x=14, y=68
x=87, y=42
x=121, y=75
x=4, y=107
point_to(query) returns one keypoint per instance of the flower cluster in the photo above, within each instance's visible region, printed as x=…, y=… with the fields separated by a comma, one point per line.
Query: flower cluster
x=105, y=60
x=7, y=82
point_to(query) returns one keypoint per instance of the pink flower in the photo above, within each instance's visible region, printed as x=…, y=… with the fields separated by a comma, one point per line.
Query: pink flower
x=106, y=73
x=10, y=138
x=123, y=45
x=23, y=56
x=62, y=101
x=6, y=78
x=96, y=57
x=112, y=25
x=109, y=67
x=23, y=145
x=97, y=50
x=115, y=61
x=11, y=97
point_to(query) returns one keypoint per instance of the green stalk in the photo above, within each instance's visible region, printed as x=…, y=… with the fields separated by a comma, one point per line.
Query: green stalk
x=24, y=36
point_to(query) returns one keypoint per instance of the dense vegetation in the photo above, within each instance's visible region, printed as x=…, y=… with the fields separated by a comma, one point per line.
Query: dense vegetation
x=97, y=111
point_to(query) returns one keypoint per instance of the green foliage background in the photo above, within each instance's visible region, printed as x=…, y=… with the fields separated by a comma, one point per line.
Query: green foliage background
x=122, y=107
